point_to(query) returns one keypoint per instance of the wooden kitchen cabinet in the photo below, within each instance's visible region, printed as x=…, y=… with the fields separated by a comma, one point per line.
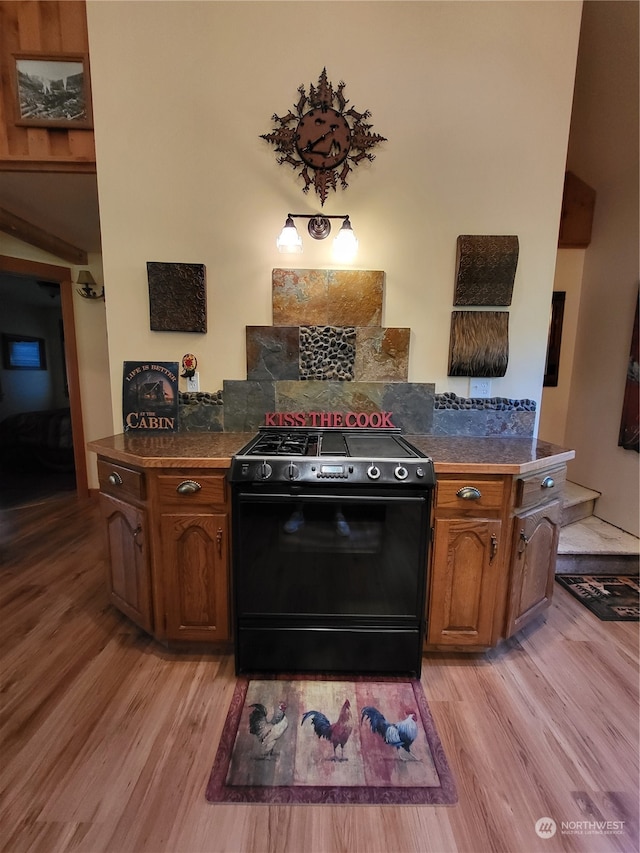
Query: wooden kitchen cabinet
x=536, y=530
x=464, y=578
x=195, y=557
x=126, y=528
x=191, y=566
x=496, y=520
x=167, y=534
x=467, y=562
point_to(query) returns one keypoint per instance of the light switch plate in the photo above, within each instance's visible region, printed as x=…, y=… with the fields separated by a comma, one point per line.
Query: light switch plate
x=479, y=387
x=193, y=382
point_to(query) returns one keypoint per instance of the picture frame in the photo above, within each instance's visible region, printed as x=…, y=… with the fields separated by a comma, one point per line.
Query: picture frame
x=52, y=90
x=552, y=366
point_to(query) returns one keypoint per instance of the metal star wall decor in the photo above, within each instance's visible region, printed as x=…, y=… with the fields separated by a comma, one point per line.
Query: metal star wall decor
x=323, y=140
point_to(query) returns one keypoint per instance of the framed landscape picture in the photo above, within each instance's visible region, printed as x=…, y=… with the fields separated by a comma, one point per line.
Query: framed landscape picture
x=52, y=91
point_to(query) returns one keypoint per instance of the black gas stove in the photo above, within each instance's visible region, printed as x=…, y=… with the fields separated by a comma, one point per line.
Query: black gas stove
x=330, y=550
x=349, y=456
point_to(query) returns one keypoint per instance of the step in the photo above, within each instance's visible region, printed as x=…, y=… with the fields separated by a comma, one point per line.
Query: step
x=592, y=546
x=578, y=502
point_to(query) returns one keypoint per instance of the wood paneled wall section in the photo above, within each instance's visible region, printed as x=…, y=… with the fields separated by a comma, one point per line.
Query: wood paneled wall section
x=50, y=27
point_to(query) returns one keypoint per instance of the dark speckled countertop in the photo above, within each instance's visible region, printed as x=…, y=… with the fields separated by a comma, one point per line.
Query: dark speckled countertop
x=451, y=455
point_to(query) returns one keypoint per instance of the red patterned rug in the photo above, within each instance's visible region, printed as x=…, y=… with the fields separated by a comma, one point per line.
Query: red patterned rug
x=311, y=740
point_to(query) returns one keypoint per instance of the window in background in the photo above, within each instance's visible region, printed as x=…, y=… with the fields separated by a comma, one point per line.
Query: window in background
x=22, y=352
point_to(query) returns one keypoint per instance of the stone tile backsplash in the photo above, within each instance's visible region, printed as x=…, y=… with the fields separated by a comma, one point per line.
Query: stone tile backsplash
x=327, y=351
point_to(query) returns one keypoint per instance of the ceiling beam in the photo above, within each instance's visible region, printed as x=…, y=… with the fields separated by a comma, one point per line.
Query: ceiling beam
x=34, y=236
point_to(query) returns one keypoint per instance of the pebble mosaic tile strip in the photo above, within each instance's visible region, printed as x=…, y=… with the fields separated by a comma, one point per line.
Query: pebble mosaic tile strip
x=327, y=352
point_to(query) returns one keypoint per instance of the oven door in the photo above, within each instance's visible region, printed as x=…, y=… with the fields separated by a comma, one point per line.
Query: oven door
x=330, y=578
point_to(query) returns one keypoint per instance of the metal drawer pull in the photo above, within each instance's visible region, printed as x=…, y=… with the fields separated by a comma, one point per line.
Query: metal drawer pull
x=469, y=493
x=547, y=483
x=219, y=540
x=115, y=479
x=188, y=487
x=136, y=533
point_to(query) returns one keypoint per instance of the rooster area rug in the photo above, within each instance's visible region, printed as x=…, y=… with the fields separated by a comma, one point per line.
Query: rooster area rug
x=310, y=740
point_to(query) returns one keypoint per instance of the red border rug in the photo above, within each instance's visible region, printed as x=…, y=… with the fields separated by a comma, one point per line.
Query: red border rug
x=297, y=739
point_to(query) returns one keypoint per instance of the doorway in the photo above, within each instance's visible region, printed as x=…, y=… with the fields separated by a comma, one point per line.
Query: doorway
x=30, y=272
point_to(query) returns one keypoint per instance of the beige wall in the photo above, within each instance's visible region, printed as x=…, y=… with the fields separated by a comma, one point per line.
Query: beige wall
x=474, y=99
x=91, y=342
x=604, y=152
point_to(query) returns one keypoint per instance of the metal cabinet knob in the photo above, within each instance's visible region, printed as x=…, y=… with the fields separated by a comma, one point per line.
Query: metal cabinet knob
x=469, y=493
x=115, y=479
x=547, y=483
x=188, y=487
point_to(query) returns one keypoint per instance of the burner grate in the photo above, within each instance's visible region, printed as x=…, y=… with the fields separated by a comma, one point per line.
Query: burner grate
x=282, y=445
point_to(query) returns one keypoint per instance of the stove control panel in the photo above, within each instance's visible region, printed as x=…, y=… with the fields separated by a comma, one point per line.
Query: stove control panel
x=349, y=470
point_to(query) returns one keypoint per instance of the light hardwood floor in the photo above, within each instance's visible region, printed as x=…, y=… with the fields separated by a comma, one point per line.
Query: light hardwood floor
x=108, y=739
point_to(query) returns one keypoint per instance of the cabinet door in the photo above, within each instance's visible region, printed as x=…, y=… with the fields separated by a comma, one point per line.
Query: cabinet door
x=195, y=559
x=128, y=573
x=533, y=564
x=465, y=569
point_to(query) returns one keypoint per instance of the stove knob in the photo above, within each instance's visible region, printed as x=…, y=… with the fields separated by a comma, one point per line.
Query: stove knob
x=293, y=471
x=374, y=472
x=401, y=472
x=419, y=472
x=264, y=471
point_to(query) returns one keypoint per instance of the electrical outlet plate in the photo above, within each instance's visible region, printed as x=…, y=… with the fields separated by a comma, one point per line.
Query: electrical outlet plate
x=193, y=382
x=479, y=387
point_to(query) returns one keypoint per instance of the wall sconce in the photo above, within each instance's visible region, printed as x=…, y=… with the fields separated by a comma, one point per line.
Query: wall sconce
x=88, y=283
x=345, y=245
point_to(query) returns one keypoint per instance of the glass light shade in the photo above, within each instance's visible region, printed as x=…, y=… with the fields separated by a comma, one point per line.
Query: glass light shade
x=289, y=241
x=345, y=245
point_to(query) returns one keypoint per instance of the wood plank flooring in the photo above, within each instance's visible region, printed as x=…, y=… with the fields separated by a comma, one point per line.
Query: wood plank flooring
x=107, y=739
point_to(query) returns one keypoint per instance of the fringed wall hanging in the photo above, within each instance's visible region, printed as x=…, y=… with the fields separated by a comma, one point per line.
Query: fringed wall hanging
x=479, y=343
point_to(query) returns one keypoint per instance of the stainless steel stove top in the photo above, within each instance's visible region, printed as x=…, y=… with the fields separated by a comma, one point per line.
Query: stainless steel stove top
x=348, y=455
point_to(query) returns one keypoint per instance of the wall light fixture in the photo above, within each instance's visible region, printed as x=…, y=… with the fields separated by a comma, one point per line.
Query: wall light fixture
x=88, y=284
x=345, y=245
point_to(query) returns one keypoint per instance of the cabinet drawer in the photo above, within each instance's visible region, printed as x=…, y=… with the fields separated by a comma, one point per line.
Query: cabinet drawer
x=119, y=481
x=191, y=488
x=540, y=487
x=469, y=495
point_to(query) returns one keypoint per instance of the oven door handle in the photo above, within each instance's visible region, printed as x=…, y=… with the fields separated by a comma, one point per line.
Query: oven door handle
x=333, y=497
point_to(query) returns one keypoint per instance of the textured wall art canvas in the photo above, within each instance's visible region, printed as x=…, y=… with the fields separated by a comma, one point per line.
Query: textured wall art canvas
x=177, y=297
x=485, y=269
x=479, y=343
